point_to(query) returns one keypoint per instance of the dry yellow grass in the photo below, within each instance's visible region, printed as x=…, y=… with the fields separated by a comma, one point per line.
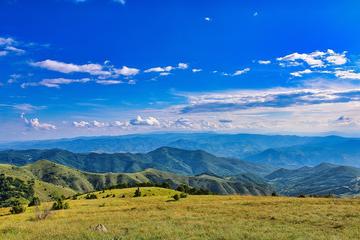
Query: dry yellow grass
x=195, y=217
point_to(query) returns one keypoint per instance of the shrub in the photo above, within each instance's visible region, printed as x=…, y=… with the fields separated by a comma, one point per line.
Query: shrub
x=17, y=208
x=176, y=197
x=137, y=192
x=60, y=204
x=274, y=194
x=183, y=195
x=91, y=196
x=35, y=201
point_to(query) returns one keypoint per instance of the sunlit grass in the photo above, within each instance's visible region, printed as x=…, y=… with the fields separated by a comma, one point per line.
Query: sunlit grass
x=194, y=217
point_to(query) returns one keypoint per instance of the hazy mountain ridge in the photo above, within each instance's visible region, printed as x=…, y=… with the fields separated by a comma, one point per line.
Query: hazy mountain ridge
x=341, y=152
x=227, y=145
x=322, y=179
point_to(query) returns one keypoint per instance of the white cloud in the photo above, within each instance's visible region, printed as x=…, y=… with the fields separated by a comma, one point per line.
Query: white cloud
x=207, y=19
x=93, y=69
x=6, y=41
x=150, y=121
x=195, y=70
x=109, y=82
x=55, y=82
x=347, y=74
x=126, y=71
x=264, y=62
x=240, y=72
x=159, y=69
x=255, y=14
x=315, y=59
x=183, y=65
x=301, y=73
x=36, y=124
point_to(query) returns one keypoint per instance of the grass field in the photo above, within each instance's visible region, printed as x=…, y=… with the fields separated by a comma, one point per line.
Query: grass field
x=194, y=217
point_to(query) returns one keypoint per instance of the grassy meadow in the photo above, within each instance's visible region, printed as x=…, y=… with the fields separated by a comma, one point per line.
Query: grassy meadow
x=158, y=216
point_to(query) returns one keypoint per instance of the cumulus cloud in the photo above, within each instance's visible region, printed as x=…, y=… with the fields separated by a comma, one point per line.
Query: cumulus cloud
x=301, y=73
x=208, y=19
x=57, y=66
x=314, y=59
x=89, y=124
x=181, y=66
x=36, y=124
x=241, y=72
x=126, y=71
x=150, y=121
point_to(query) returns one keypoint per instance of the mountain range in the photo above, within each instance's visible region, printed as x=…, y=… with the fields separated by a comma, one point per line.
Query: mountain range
x=323, y=179
x=179, y=161
x=278, y=151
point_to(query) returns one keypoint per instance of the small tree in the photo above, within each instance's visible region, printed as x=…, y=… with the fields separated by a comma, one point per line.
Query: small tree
x=60, y=204
x=35, y=201
x=176, y=197
x=183, y=195
x=137, y=192
x=17, y=208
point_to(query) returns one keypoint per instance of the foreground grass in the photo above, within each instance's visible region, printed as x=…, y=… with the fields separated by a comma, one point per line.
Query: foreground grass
x=195, y=217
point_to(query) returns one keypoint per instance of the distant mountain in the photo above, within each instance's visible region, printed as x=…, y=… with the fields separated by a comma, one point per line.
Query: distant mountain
x=68, y=178
x=322, y=179
x=179, y=161
x=336, y=151
x=226, y=145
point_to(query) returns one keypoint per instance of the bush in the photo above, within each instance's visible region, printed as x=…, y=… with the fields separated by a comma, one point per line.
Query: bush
x=137, y=192
x=176, y=197
x=183, y=195
x=91, y=196
x=274, y=194
x=35, y=201
x=17, y=208
x=60, y=204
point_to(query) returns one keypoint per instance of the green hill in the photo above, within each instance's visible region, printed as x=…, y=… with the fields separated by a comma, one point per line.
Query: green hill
x=179, y=161
x=59, y=177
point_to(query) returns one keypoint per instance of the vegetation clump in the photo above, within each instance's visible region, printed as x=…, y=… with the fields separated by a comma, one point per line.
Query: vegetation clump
x=91, y=196
x=14, y=188
x=35, y=201
x=137, y=192
x=17, y=208
x=60, y=204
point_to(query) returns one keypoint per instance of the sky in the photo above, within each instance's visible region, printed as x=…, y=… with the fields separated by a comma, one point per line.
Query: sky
x=109, y=67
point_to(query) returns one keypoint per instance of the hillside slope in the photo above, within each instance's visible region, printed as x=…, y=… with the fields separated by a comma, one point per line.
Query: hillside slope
x=68, y=178
x=322, y=179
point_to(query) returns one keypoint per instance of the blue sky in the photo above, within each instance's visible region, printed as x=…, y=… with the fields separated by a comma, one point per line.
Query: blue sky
x=104, y=67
